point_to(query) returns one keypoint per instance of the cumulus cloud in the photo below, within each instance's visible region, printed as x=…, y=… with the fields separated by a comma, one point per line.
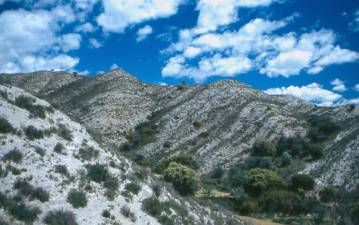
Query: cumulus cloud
x=287, y=63
x=114, y=66
x=94, y=43
x=143, y=33
x=213, y=14
x=312, y=92
x=217, y=65
x=36, y=40
x=70, y=42
x=85, y=28
x=356, y=87
x=354, y=25
x=119, y=14
x=338, y=85
x=274, y=55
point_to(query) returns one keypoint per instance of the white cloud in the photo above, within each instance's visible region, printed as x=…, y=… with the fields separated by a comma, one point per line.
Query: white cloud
x=354, y=25
x=338, y=85
x=114, y=66
x=273, y=55
x=212, y=66
x=216, y=13
x=31, y=63
x=287, y=63
x=85, y=28
x=119, y=14
x=33, y=37
x=143, y=33
x=356, y=87
x=94, y=43
x=70, y=42
x=312, y=92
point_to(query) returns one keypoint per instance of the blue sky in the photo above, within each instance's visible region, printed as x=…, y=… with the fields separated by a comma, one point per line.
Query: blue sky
x=306, y=49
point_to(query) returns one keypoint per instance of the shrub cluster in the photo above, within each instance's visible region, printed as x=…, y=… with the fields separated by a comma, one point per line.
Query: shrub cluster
x=60, y=217
x=263, y=148
x=64, y=132
x=257, y=181
x=183, y=178
x=26, y=189
x=27, y=103
x=18, y=209
x=58, y=148
x=184, y=159
x=62, y=169
x=14, y=156
x=88, y=153
x=299, y=147
x=33, y=133
x=99, y=174
x=5, y=126
x=143, y=134
x=321, y=128
x=133, y=188
x=77, y=199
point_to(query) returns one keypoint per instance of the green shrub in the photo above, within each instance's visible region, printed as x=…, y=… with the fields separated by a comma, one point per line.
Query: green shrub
x=183, y=178
x=3, y=222
x=111, y=184
x=281, y=202
x=58, y=148
x=32, y=133
x=38, y=111
x=97, y=173
x=286, y=159
x=143, y=134
x=106, y=213
x=13, y=155
x=88, y=153
x=40, y=151
x=77, y=199
x=316, y=152
x=64, y=132
x=23, y=212
x=152, y=206
x=302, y=181
x=62, y=169
x=217, y=173
x=40, y=194
x=258, y=181
x=4, y=94
x=197, y=124
x=5, y=126
x=296, y=146
x=321, y=128
x=60, y=217
x=184, y=159
x=26, y=189
x=330, y=194
x=133, y=188
x=26, y=102
x=258, y=162
x=263, y=148
x=18, y=210
x=354, y=213
x=248, y=207
x=125, y=211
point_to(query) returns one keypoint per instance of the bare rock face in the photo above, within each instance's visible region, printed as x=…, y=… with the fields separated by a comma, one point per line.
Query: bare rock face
x=216, y=123
x=45, y=157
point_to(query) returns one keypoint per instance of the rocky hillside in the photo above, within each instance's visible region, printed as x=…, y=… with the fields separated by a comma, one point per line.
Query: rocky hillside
x=217, y=123
x=53, y=172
